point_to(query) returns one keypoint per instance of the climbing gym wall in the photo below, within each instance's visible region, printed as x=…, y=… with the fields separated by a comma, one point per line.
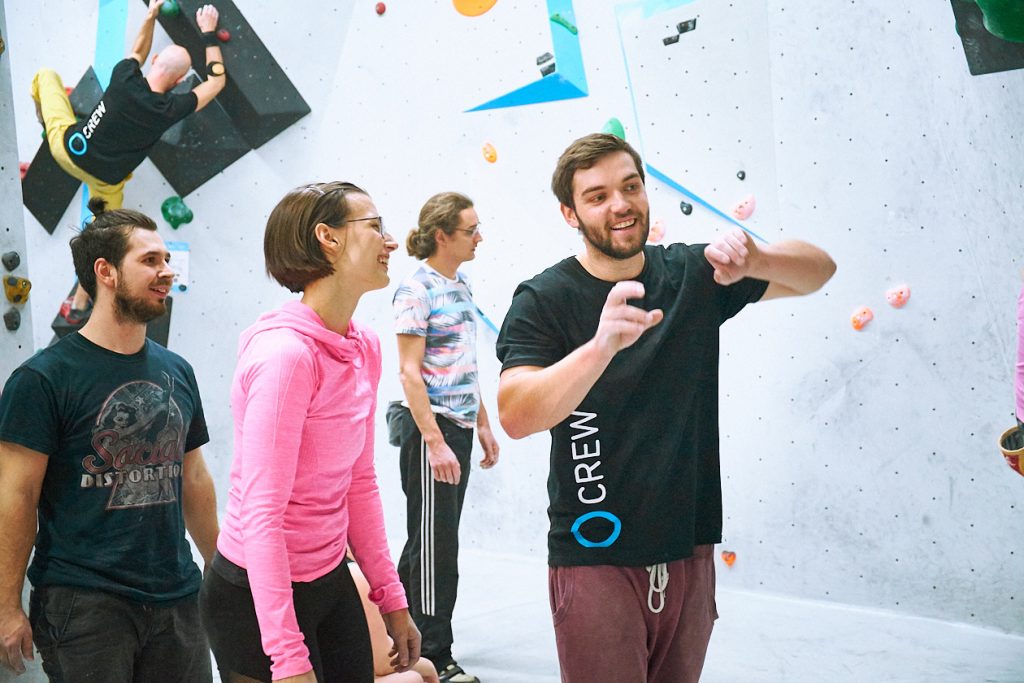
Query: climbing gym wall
x=859, y=465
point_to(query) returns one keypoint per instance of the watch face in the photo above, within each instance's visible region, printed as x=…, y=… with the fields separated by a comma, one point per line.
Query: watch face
x=216, y=69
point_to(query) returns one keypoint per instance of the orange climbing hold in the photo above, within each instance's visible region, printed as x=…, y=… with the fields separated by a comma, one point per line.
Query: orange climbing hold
x=473, y=8
x=729, y=557
x=490, y=153
x=861, y=317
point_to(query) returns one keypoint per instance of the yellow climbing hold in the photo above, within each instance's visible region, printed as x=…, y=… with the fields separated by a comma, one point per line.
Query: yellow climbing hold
x=473, y=8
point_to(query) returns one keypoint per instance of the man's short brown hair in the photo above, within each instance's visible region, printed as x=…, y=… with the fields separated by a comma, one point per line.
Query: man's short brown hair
x=106, y=237
x=292, y=252
x=583, y=154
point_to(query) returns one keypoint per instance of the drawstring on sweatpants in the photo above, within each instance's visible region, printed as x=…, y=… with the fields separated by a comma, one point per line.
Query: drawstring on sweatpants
x=659, y=582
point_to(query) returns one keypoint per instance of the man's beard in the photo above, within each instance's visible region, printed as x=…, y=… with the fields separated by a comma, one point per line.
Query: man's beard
x=131, y=309
x=603, y=243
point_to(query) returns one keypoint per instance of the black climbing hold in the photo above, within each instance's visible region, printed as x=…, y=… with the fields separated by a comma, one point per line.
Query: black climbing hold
x=669, y=40
x=686, y=26
x=687, y=209
x=742, y=175
x=11, y=260
x=12, y=319
x=546, y=57
x=547, y=69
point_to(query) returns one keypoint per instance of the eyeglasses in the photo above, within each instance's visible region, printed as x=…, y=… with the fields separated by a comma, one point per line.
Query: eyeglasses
x=473, y=232
x=379, y=227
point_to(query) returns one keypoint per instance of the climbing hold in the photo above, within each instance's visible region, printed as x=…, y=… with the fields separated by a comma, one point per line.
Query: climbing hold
x=170, y=8
x=23, y=166
x=68, y=90
x=175, y=212
x=614, y=127
x=562, y=21
x=861, y=317
x=490, y=153
x=1003, y=18
x=1011, y=443
x=686, y=26
x=548, y=69
x=11, y=260
x=897, y=296
x=729, y=557
x=657, y=232
x=742, y=175
x=687, y=209
x=16, y=289
x=381, y=8
x=473, y=8
x=223, y=35
x=670, y=40
x=12, y=319
x=742, y=210
x=546, y=57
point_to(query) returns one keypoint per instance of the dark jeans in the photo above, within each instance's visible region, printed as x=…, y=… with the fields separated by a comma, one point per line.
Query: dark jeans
x=429, y=565
x=90, y=635
x=328, y=610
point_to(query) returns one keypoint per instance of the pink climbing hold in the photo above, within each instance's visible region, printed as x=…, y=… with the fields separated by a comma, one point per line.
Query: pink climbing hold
x=898, y=296
x=657, y=232
x=742, y=211
x=861, y=317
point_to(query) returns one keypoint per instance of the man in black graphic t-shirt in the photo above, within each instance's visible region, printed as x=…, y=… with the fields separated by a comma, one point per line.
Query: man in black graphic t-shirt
x=100, y=437
x=103, y=149
x=615, y=351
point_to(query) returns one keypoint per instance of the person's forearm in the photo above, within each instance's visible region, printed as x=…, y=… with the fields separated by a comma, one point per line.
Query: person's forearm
x=419, y=405
x=533, y=401
x=144, y=41
x=199, y=507
x=794, y=264
x=18, y=517
x=482, y=420
x=213, y=54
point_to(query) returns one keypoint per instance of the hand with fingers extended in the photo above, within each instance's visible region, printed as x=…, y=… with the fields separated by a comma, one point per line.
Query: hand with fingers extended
x=406, y=648
x=621, y=323
x=443, y=463
x=732, y=255
x=16, y=635
x=206, y=18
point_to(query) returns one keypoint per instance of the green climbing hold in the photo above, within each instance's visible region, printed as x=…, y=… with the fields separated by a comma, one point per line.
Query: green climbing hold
x=614, y=127
x=170, y=8
x=175, y=212
x=562, y=21
x=1004, y=18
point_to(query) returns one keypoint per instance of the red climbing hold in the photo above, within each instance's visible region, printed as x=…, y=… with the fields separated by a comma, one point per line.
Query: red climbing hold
x=381, y=8
x=23, y=168
x=223, y=35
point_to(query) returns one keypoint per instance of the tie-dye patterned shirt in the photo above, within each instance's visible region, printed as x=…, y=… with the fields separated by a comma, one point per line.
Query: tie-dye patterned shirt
x=430, y=305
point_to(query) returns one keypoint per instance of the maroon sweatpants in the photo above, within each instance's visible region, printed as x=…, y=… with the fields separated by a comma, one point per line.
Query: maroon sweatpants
x=605, y=628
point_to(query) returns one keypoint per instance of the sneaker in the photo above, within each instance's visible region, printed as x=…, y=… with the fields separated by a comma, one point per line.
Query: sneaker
x=453, y=673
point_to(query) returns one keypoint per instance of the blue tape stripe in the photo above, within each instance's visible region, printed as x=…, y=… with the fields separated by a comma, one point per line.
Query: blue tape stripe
x=676, y=186
x=487, y=321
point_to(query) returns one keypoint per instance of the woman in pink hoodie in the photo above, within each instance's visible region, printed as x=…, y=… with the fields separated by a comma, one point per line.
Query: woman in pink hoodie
x=278, y=601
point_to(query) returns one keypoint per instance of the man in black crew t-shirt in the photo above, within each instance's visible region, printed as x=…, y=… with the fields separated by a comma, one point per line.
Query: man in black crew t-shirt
x=100, y=438
x=615, y=351
x=103, y=149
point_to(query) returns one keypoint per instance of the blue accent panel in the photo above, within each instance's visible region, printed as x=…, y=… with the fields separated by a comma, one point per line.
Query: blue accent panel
x=110, y=30
x=569, y=80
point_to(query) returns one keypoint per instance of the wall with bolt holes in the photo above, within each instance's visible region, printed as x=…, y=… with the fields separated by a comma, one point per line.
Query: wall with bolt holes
x=858, y=467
